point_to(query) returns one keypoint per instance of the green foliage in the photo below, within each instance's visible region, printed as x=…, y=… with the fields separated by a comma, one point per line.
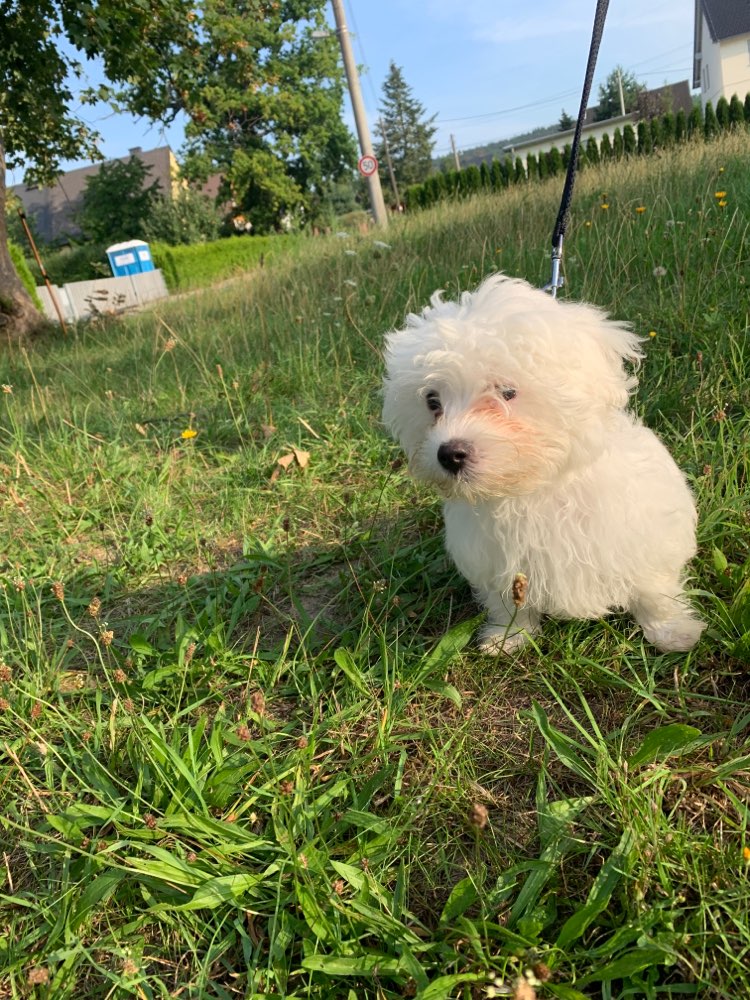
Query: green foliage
x=555, y=162
x=609, y=94
x=680, y=126
x=24, y=273
x=736, y=112
x=710, y=122
x=668, y=129
x=187, y=217
x=643, y=131
x=655, y=127
x=403, y=131
x=117, y=201
x=265, y=193
x=722, y=113
x=81, y=262
x=198, y=265
x=695, y=121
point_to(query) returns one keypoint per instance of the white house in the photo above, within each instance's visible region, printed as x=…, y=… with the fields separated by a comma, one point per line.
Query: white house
x=721, y=52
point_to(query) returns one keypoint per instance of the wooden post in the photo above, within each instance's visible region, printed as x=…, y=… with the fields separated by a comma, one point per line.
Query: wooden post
x=48, y=283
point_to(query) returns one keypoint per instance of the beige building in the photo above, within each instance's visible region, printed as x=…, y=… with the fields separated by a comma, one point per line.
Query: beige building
x=721, y=52
x=53, y=209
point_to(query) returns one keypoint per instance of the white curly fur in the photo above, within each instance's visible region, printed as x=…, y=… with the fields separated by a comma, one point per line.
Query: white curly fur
x=543, y=469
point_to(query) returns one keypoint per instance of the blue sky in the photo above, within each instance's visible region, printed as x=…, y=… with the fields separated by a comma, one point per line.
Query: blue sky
x=488, y=69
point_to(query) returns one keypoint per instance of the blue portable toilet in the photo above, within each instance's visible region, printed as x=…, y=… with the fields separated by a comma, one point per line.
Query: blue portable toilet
x=131, y=257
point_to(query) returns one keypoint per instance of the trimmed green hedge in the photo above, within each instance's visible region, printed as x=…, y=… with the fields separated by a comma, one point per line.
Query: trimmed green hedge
x=201, y=264
x=24, y=273
x=664, y=130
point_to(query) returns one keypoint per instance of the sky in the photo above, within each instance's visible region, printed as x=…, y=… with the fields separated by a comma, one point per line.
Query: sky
x=487, y=69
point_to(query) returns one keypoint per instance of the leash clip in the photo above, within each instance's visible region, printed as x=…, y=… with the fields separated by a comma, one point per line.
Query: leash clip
x=556, y=281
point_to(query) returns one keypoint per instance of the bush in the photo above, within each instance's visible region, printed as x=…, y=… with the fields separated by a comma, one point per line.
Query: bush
x=736, y=112
x=710, y=122
x=680, y=126
x=76, y=263
x=722, y=113
x=24, y=273
x=189, y=217
x=203, y=263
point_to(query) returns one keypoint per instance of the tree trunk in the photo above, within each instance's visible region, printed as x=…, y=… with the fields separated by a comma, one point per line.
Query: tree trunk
x=19, y=318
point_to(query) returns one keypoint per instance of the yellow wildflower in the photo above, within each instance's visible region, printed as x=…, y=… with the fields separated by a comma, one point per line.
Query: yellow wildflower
x=188, y=433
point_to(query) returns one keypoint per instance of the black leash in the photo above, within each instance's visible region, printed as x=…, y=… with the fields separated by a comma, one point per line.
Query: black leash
x=558, y=233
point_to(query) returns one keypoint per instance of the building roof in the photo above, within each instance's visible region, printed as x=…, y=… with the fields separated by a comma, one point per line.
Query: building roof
x=726, y=18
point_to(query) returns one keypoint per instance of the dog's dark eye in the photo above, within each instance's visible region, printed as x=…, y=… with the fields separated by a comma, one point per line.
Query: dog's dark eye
x=433, y=402
x=507, y=393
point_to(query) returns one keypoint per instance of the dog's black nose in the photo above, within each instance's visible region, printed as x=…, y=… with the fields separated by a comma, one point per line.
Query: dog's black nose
x=453, y=455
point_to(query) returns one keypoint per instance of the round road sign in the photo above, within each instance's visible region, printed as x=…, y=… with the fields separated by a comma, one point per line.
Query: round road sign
x=368, y=165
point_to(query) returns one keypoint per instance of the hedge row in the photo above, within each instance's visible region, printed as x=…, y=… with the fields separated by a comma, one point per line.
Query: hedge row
x=200, y=264
x=641, y=140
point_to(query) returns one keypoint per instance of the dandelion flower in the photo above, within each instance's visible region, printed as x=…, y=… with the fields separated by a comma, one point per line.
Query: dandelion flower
x=640, y=209
x=188, y=434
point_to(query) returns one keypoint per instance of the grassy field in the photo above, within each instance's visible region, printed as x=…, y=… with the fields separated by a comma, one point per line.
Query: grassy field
x=246, y=746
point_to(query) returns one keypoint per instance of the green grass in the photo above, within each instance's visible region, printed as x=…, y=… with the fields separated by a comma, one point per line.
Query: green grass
x=247, y=748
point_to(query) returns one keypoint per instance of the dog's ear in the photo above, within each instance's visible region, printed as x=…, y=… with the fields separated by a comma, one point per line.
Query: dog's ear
x=609, y=354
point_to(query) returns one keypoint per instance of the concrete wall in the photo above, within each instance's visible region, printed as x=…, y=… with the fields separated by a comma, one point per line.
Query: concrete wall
x=104, y=296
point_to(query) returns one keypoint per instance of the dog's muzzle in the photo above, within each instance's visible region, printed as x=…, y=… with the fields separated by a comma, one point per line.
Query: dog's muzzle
x=454, y=455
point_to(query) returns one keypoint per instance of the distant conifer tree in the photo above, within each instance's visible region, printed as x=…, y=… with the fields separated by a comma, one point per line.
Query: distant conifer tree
x=680, y=126
x=722, y=114
x=736, y=112
x=710, y=122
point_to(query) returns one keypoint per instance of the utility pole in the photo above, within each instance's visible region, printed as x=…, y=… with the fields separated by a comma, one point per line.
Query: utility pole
x=622, y=97
x=455, y=153
x=360, y=118
x=389, y=161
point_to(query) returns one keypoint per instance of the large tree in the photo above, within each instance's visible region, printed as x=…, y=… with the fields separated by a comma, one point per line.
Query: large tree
x=251, y=77
x=405, y=133
x=609, y=105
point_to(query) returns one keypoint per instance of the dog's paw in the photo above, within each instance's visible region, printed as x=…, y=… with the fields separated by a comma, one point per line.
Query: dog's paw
x=678, y=635
x=501, y=639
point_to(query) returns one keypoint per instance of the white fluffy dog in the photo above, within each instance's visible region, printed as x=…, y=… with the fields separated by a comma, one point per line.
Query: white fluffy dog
x=558, y=501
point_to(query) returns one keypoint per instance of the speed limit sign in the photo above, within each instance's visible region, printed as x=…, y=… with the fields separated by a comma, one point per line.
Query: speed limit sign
x=367, y=165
